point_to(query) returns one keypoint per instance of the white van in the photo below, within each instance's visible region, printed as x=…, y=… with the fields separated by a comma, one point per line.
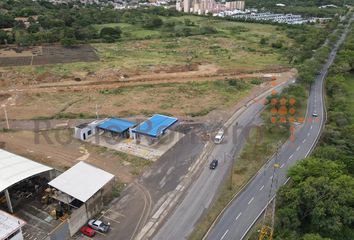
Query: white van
x=219, y=136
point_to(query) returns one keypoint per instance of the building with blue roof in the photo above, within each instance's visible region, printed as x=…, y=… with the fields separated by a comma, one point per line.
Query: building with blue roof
x=116, y=126
x=155, y=126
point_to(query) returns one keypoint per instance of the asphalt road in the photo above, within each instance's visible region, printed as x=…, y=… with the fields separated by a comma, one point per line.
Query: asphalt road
x=199, y=196
x=241, y=214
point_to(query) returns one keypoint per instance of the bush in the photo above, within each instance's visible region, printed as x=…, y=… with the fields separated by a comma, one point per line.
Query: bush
x=110, y=34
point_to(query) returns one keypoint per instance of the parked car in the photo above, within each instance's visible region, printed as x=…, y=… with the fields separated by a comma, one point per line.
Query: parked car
x=213, y=164
x=87, y=231
x=99, y=225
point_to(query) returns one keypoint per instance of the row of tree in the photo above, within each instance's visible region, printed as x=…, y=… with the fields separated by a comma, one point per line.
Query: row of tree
x=52, y=23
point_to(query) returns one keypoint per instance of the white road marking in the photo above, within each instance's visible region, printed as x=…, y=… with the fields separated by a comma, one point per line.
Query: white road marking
x=291, y=156
x=261, y=188
x=311, y=127
x=282, y=165
x=271, y=177
x=303, y=141
x=249, y=202
x=111, y=219
x=298, y=148
x=308, y=134
x=238, y=216
x=224, y=234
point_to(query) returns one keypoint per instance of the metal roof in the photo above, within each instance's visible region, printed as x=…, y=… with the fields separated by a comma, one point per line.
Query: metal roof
x=116, y=125
x=81, y=181
x=14, y=168
x=155, y=126
x=9, y=224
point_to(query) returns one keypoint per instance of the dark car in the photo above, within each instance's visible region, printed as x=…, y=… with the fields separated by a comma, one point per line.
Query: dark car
x=99, y=225
x=87, y=231
x=213, y=164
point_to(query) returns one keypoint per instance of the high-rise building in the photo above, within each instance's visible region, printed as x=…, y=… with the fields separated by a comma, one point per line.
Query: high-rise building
x=208, y=6
x=187, y=5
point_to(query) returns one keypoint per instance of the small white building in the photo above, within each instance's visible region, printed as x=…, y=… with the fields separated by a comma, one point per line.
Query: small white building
x=86, y=130
x=10, y=227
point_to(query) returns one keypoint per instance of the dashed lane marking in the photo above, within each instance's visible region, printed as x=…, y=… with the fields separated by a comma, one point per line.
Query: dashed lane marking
x=249, y=202
x=261, y=188
x=239, y=215
x=224, y=234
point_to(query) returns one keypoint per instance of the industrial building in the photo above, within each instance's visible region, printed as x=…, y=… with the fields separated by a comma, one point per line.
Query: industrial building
x=153, y=129
x=10, y=227
x=202, y=7
x=117, y=127
x=80, y=191
x=20, y=178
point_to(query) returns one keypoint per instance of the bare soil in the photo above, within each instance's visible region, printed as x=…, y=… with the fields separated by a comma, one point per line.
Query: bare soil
x=14, y=56
x=58, y=149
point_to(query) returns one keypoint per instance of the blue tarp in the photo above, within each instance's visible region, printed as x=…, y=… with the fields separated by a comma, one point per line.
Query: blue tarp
x=155, y=126
x=116, y=125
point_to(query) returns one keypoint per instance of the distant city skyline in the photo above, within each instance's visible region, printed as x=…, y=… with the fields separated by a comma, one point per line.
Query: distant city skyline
x=208, y=6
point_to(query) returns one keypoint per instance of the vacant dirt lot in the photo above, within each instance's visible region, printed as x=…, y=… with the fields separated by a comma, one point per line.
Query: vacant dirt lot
x=57, y=148
x=46, y=55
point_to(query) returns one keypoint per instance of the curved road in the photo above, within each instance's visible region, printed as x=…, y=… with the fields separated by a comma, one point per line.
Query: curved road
x=242, y=213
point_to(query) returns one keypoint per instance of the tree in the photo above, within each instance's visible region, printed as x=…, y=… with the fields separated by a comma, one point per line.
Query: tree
x=68, y=42
x=110, y=34
x=151, y=22
x=319, y=199
x=314, y=237
x=6, y=21
x=33, y=28
x=4, y=37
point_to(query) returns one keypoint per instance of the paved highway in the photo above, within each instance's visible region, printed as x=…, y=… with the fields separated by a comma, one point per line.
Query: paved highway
x=246, y=208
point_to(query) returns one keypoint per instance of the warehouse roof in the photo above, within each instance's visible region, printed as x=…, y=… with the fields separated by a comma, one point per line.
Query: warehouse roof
x=155, y=126
x=116, y=125
x=81, y=181
x=14, y=168
x=9, y=224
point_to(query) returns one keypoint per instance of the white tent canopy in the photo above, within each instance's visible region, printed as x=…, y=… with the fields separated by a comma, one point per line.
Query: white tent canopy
x=14, y=168
x=81, y=181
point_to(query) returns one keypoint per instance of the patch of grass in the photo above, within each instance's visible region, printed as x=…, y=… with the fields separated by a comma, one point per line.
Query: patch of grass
x=201, y=112
x=137, y=162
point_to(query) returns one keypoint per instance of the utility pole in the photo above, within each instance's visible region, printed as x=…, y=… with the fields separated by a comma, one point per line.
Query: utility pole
x=97, y=112
x=6, y=118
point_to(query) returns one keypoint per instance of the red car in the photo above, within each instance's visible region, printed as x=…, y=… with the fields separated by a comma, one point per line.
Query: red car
x=87, y=231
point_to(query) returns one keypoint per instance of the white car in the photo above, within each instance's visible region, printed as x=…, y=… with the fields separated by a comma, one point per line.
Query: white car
x=314, y=114
x=219, y=136
x=99, y=225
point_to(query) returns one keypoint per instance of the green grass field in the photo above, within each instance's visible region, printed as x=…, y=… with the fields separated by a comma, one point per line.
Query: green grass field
x=234, y=46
